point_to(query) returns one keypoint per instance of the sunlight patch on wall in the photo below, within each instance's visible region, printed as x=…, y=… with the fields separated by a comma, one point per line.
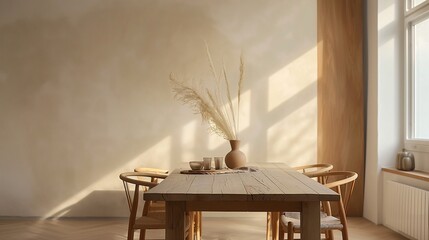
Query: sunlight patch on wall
x=158, y=156
x=108, y=182
x=155, y=157
x=388, y=60
x=386, y=16
x=293, y=78
x=293, y=139
x=244, y=111
x=245, y=149
x=188, y=139
x=215, y=141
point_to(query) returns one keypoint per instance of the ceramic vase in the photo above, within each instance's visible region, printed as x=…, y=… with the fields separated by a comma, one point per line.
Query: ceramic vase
x=235, y=158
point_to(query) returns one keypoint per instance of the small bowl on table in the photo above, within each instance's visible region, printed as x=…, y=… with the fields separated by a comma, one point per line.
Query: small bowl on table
x=196, y=165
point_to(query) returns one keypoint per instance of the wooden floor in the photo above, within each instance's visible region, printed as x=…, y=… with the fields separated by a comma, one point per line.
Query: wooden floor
x=249, y=228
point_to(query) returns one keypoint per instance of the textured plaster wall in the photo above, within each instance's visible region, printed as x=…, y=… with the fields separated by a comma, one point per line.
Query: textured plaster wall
x=84, y=93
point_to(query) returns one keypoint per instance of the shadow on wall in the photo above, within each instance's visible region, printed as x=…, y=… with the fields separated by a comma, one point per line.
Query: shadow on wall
x=84, y=93
x=105, y=200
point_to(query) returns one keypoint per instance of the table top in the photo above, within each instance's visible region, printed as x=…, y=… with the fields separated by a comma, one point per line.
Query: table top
x=271, y=182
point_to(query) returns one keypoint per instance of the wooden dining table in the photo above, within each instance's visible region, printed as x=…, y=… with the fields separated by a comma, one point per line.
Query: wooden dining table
x=265, y=187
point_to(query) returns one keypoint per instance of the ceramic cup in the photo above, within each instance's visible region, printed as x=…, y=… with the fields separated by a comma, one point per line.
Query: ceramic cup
x=218, y=162
x=196, y=165
x=207, y=163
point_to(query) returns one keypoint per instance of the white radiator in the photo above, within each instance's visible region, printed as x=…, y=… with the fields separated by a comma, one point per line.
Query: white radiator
x=406, y=210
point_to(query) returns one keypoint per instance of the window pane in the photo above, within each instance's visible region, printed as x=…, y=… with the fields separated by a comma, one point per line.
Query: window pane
x=421, y=78
x=417, y=2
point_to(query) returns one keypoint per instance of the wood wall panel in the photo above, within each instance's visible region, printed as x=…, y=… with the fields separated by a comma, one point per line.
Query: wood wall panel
x=340, y=93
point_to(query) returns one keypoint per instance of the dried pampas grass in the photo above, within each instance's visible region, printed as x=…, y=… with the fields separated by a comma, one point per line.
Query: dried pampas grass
x=221, y=117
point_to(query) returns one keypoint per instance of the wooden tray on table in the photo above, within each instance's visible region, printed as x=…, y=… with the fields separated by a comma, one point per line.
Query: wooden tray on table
x=211, y=171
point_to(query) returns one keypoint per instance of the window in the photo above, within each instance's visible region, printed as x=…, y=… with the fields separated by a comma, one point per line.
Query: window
x=417, y=75
x=415, y=3
x=421, y=79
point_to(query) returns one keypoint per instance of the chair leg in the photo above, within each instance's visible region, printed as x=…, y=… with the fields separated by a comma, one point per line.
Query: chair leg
x=345, y=231
x=290, y=231
x=198, y=225
x=281, y=233
x=142, y=234
x=330, y=235
x=191, y=228
x=268, y=230
x=345, y=234
x=130, y=234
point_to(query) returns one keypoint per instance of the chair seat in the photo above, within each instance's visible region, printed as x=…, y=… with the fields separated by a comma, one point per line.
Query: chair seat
x=154, y=220
x=326, y=222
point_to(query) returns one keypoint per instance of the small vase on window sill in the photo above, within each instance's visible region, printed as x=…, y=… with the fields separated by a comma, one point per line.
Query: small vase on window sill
x=405, y=161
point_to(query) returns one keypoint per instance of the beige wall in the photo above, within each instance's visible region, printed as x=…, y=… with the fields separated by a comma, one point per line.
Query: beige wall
x=84, y=93
x=385, y=98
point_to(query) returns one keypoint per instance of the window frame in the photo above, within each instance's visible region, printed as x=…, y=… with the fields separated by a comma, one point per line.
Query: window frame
x=409, y=6
x=412, y=17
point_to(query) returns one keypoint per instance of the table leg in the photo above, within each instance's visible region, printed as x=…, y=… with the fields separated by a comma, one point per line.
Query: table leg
x=191, y=229
x=310, y=221
x=275, y=224
x=269, y=227
x=199, y=225
x=175, y=220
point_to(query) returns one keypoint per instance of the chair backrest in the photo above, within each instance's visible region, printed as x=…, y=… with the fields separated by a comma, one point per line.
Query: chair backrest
x=150, y=206
x=151, y=170
x=314, y=168
x=142, y=181
x=342, y=182
x=138, y=179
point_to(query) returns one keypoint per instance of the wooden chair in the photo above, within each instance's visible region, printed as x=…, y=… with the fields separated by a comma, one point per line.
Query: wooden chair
x=196, y=223
x=153, y=216
x=343, y=183
x=314, y=168
x=153, y=206
x=311, y=169
x=152, y=170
